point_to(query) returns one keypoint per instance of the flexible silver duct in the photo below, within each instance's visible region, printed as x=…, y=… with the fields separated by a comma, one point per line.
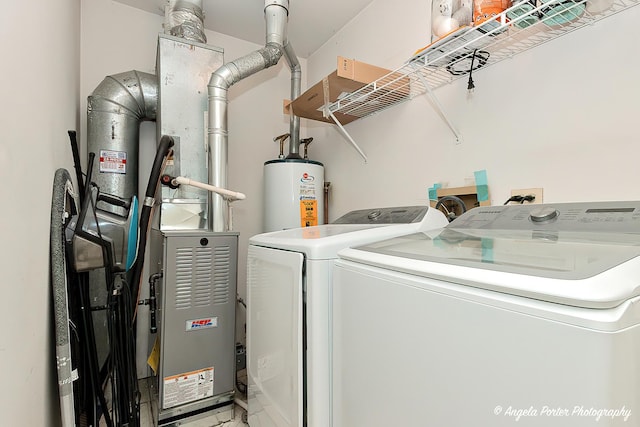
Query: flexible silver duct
x=114, y=112
x=185, y=19
x=276, y=12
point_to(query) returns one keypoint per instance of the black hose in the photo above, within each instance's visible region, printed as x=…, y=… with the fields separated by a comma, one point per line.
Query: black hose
x=166, y=142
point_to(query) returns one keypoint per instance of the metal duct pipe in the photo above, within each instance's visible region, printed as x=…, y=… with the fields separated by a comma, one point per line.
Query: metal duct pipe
x=185, y=19
x=294, y=121
x=275, y=12
x=115, y=110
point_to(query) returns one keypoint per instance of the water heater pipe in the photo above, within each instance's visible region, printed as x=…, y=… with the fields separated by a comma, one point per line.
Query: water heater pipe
x=294, y=121
x=276, y=13
x=230, y=195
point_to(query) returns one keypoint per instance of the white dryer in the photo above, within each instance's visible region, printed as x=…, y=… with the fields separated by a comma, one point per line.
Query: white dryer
x=509, y=316
x=289, y=313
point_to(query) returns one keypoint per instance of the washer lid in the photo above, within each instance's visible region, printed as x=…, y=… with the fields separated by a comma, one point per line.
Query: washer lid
x=581, y=269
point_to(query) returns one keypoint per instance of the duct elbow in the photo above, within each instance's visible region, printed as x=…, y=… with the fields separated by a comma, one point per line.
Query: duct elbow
x=292, y=60
x=132, y=93
x=232, y=72
x=115, y=110
x=222, y=78
x=272, y=53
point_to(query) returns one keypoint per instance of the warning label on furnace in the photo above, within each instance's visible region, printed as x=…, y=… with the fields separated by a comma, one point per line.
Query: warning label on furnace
x=187, y=387
x=113, y=161
x=308, y=213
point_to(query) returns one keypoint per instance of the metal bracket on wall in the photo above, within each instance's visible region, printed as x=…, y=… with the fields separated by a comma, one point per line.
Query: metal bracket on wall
x=346, y=134
x=438, y=106
x=327, y=113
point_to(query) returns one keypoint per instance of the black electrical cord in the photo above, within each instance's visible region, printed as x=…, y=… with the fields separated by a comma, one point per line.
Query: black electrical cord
x=166, y=142
x=513, y=199
x=520, y=199
x=470, y=85
x=458, y=64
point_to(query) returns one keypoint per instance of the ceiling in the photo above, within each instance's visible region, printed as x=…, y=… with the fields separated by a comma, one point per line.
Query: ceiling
x=311, y=22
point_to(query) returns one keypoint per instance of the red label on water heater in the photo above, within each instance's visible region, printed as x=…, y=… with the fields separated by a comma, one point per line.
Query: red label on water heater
x=113, y=161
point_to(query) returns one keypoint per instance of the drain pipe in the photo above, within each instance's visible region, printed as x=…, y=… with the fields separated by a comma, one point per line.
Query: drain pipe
x=294, y=121
x=276, y=13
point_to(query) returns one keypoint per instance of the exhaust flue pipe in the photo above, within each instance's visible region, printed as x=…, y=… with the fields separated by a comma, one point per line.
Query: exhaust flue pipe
x=294, y=121
x=276, y=14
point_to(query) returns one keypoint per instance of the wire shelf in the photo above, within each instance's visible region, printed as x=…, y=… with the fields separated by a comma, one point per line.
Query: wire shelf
x=511, y=32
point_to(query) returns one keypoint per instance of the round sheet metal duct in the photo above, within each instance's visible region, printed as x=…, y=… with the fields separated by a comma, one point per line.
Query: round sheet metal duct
x=115, y=110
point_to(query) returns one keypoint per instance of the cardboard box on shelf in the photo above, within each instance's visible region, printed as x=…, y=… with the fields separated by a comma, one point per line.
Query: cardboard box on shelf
x=350, y=76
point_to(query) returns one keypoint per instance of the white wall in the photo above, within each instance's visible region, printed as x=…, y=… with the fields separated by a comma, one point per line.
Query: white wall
x=560, y=116
x=39, y=88
x=118, y=38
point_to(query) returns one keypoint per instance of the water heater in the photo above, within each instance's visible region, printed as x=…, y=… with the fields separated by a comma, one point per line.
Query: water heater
x=294, y=194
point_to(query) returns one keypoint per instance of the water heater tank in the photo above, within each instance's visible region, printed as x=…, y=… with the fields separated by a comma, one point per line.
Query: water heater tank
x=294, y=194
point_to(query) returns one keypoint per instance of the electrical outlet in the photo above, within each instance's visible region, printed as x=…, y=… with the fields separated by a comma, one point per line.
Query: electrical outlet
x=537, y=192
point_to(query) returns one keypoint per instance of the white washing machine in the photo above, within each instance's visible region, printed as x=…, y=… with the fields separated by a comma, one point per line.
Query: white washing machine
x=288, y=311
x=509, y=316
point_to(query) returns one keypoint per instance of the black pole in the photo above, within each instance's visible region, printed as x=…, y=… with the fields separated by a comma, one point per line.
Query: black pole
x=77, y=165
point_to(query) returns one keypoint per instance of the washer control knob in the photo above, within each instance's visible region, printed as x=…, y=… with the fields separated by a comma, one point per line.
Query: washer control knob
x=543, y=214
x=373, y=215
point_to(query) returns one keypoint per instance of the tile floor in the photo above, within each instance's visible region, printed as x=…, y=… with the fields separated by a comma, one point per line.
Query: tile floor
x=227, y=418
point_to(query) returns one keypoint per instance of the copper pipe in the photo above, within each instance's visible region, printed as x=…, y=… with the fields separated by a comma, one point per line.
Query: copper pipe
x=326, y=201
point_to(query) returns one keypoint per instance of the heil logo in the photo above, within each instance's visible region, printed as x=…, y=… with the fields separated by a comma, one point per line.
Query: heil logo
x=210, y=322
